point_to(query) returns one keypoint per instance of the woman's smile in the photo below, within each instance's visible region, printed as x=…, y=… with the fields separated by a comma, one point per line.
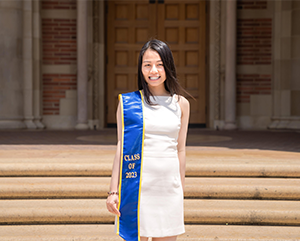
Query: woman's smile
x=154, y=77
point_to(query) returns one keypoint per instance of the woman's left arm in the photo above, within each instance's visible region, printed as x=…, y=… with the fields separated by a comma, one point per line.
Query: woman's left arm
x=185, y=115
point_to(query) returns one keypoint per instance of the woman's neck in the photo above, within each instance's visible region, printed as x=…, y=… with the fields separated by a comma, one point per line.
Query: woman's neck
x=159, y=91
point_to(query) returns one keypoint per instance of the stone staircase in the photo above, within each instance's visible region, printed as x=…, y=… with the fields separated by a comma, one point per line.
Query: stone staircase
x=58, y=193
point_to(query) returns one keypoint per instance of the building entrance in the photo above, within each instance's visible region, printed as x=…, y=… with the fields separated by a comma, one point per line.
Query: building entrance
x=129, y=24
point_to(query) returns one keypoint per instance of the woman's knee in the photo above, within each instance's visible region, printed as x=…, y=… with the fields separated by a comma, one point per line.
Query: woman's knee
x=172, y=238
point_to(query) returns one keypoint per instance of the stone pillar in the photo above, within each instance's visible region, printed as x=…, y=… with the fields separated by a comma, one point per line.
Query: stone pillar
x=11, y=93
x=94, y=121
x=37, y=99
x=82, y=65
x=28, y=65
x=230, y=71
x=215, y=118
x=101, y=66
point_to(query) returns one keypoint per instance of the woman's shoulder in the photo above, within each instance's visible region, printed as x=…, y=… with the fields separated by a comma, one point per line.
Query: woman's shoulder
x=182, y=100
x=183, y=103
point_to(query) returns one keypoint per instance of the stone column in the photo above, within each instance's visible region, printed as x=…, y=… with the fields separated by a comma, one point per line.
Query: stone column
x=101, y=66
x=11, y=76
x=215, y=120
x=94, y=122
x=37, y=99
x=230, y=71
x=82, y=65
x=28, y=65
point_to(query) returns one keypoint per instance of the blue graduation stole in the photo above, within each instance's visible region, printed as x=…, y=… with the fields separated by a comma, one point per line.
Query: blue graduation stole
x=131, y=165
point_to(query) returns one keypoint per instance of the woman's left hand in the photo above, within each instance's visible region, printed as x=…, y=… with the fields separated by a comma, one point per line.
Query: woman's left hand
x=112, y=202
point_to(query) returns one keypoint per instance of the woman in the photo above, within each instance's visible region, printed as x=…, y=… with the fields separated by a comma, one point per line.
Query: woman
x=166, y=117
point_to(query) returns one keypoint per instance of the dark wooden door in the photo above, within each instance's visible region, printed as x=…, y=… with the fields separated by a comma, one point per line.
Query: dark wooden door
x=181, y=24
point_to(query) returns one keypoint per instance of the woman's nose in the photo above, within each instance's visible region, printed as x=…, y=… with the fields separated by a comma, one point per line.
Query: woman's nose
x=153, y=69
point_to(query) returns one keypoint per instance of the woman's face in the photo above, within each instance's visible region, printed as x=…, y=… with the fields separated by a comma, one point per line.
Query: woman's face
x=153, y=68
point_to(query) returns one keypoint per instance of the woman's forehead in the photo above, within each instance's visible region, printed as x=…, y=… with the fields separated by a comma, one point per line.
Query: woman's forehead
x=150, y=56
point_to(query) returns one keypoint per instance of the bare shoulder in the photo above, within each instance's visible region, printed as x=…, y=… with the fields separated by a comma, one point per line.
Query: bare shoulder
x=184, y=104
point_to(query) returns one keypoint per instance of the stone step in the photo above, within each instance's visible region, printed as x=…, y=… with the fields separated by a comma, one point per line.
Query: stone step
x=243, y=188
x=61, y=160
x=93, y=211
x=194, y=167
x=106, y=233
x=97, y=187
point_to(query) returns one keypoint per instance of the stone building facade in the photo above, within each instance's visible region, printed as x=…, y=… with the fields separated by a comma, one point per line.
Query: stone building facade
x=56, y=69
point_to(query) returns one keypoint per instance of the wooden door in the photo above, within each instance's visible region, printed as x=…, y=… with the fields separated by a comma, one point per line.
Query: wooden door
x=181, y=24
x=129, y=25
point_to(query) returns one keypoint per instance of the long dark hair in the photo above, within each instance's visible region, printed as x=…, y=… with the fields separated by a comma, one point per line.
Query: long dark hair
x=171, y=83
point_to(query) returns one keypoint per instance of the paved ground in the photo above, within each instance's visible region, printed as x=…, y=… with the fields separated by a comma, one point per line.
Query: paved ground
x=201, y=138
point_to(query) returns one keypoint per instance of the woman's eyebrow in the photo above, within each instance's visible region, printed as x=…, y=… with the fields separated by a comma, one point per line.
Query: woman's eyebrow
x=148, y=61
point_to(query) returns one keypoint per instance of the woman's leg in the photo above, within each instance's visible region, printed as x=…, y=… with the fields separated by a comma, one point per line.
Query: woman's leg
x=172, y=238
x=144, y=239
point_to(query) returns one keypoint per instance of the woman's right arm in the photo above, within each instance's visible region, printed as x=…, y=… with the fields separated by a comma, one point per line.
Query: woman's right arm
x=113, y=200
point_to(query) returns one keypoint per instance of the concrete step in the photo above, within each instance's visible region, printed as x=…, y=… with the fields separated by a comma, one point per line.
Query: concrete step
x=243, y=188
x=194, y=168
x=54, y=187
x=106, y=233
x=93, y=211
x=97, y=187
x=95, y=161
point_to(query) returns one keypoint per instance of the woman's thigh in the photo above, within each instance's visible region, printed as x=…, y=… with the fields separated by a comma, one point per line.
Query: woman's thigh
x=172, y=238
x=144, y=239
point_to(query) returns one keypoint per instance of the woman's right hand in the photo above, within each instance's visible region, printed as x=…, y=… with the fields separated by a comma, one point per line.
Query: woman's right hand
x=112, y=202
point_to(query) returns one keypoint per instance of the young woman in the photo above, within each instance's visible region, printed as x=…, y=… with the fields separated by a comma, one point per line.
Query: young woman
x=166, y=117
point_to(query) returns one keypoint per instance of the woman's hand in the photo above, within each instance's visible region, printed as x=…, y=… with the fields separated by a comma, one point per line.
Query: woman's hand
x=112, y=202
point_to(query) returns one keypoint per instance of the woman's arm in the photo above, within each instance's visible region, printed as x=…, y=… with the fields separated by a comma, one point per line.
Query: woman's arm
x=185, y=115
x=113, y=200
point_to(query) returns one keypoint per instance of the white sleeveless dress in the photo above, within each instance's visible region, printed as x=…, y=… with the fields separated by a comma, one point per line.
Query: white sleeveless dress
x=161, y=207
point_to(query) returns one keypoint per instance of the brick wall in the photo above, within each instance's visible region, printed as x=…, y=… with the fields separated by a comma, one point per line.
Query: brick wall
x=250, y=4
x=252, y=84
x=254, y=41
x=54, y=88
x=254, y=47
x=59, y=4
x=59, y=41
x=59, y=48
